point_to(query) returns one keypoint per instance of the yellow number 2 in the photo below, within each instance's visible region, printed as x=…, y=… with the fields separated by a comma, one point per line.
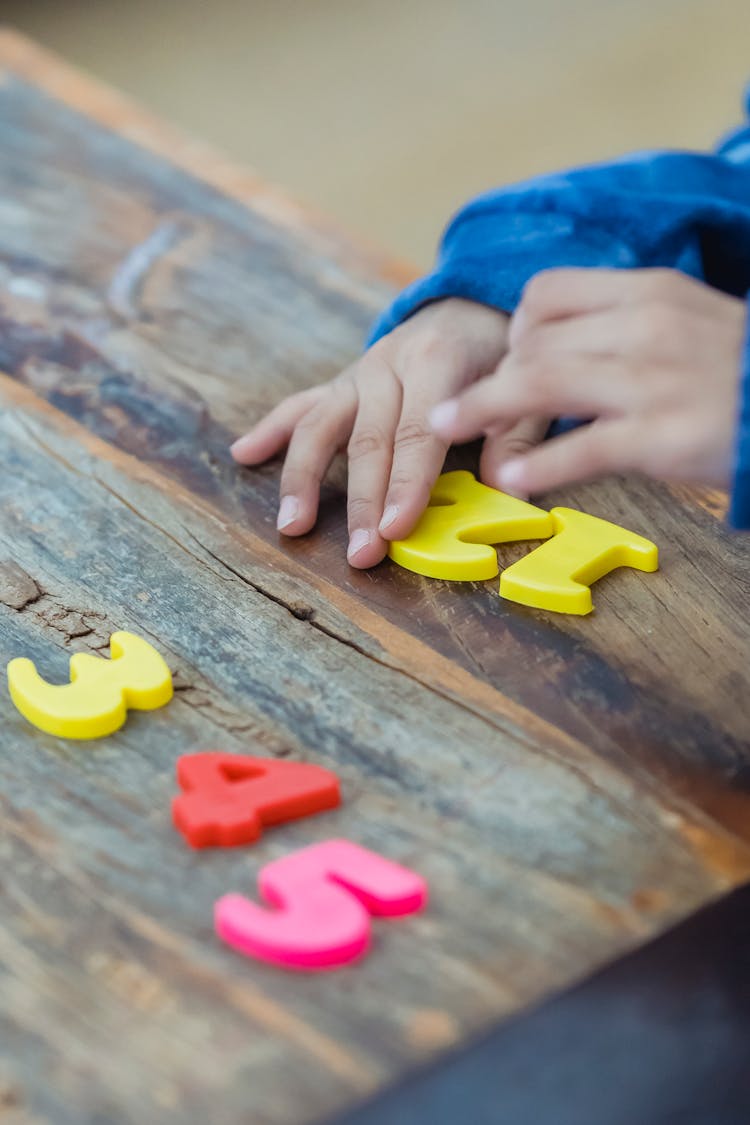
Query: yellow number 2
x=452, y=539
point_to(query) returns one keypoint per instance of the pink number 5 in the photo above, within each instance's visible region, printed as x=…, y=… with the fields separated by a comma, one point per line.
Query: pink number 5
x=325, y=895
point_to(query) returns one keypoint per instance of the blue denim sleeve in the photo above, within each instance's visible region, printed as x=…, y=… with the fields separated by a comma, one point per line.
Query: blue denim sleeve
x=680, y=210
x=739, y=506
x=676, y=210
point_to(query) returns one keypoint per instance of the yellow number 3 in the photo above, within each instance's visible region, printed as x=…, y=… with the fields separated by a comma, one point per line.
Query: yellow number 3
x=100, y=692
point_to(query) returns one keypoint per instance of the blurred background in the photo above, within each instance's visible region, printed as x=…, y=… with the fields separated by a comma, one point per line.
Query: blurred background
x=387, y=114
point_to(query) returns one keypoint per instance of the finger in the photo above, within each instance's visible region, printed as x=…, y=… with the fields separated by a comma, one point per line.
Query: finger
x=370, y=453
x=544, y=384
x=272, y=433
x=625, y=330
x=651, y=333
x=560, y=293
x=418, y=455
x=591, y=451
x=514, y=443
x=432, y=368
x=315, y=440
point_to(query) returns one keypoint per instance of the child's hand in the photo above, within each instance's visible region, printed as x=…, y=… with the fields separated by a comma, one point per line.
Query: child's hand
x=651, y=356
x=380, y=406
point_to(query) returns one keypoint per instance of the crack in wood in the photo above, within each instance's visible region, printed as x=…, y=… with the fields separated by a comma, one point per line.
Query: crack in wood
x=22, y=593
x=18, y=590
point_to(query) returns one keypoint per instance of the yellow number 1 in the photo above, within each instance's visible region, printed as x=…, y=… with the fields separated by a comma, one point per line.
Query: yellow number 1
x=558, y=574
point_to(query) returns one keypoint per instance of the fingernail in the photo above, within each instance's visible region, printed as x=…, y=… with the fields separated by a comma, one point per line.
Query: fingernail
x=288, y=512
x=510, y=475
x=443, y=416
x=389, y=517
x=237, y=448
x=358, y=541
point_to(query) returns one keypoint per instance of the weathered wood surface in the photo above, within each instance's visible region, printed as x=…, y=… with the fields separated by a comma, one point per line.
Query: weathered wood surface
x=568, y=787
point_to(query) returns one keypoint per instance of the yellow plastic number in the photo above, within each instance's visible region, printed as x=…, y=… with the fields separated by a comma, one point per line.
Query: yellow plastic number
x=557, y=575
x=96, y=701
x=452, y=539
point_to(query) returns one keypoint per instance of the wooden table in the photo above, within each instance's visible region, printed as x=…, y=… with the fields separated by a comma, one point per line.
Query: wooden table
x=569, y=787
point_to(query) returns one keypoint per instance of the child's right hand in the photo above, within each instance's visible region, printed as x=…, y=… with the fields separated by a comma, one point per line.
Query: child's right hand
x=378, y=408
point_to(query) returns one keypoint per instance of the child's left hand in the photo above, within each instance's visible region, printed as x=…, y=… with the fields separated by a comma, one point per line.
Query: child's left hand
x=652, y=357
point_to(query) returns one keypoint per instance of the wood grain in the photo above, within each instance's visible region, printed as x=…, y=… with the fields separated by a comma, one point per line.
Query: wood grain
x=569, y=787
